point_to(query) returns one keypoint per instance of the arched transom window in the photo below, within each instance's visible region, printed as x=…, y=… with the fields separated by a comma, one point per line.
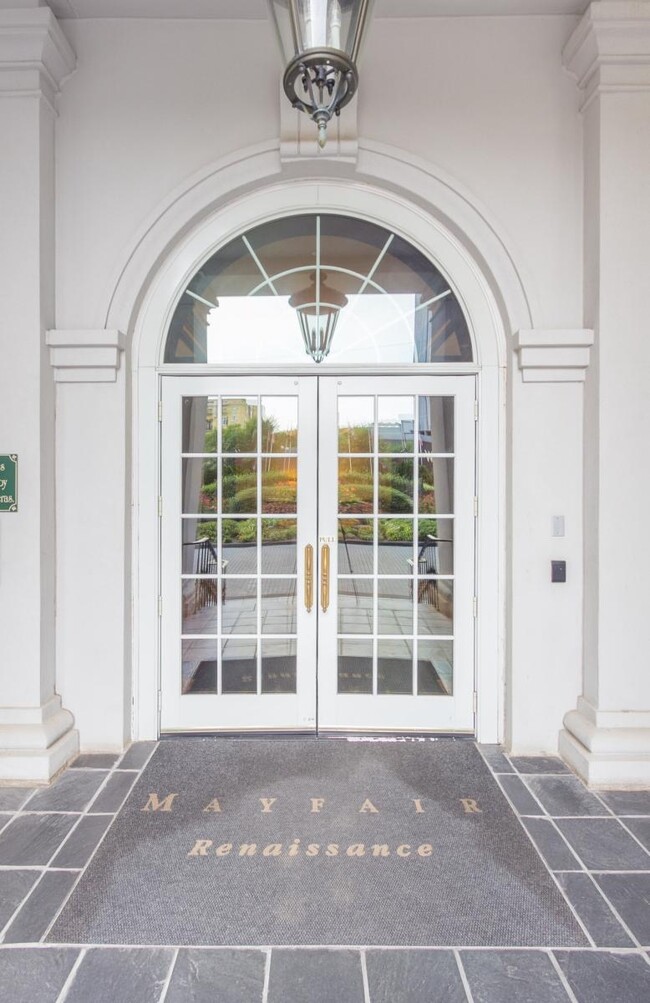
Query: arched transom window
x=332, y=289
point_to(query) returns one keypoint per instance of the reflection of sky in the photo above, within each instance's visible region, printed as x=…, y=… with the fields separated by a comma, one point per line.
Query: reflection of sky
x=371, y=329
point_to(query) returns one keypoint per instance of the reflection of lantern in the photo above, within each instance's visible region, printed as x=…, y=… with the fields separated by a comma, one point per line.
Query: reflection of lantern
x=318, y=308
x=320, y=42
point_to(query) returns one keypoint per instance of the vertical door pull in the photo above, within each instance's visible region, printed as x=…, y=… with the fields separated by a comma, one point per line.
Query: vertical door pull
x=309, y=577
x=325, y=577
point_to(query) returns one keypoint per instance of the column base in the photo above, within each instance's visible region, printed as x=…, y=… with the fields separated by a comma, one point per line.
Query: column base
x=35, y=742
x=607, y=748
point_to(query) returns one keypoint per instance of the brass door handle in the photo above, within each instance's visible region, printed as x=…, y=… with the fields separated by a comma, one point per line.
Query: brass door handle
x=325, y=577
x=309, y=577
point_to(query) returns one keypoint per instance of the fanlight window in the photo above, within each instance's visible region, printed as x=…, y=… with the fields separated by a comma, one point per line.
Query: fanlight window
x=333, y=289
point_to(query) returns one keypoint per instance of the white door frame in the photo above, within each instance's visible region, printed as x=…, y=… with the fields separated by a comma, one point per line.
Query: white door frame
x=453, y=713
x=482, y=313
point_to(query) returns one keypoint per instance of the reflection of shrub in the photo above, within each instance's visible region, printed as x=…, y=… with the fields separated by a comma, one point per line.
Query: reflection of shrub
x=276, y=499
x=242, y=531
x=208, y=498
x=278, y=530
x=391, y=500
x=399, y=530
x=428, y=527
x=236, y=482
x=206, y=529
x=353, y=530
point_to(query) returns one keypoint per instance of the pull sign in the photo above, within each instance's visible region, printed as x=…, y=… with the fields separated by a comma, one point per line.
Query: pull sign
x=326, y=539
x=8, y=482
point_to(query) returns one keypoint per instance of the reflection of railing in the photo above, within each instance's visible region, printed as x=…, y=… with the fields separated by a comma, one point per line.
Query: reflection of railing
x=205, y=562
x=428, y=590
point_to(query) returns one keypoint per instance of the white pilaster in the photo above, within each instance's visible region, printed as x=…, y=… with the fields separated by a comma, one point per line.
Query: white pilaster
x=607, y=739
x=545, y=635
x=93, y=615
x=36, y=735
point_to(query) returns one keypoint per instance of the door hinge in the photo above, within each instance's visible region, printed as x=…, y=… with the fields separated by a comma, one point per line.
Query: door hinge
x=475, y=606
x=159, y=703
x=475, y=410
x=159, y=605
x=475, y=701
x=475, y=507
x=160, y=503
x=159, y=410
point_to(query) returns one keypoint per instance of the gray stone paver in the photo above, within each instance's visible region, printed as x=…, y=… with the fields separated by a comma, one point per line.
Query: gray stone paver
x=36, y=973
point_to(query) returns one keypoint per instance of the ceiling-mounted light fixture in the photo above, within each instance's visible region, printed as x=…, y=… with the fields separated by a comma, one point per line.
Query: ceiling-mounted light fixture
x=318, y=308
x=320, y=41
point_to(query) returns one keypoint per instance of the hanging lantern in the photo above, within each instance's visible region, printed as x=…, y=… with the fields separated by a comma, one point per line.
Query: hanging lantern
x=318, y=308
x=320, y=41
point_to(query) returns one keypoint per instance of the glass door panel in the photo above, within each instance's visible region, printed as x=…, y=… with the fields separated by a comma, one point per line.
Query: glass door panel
x=238, y=491
x=402, y=516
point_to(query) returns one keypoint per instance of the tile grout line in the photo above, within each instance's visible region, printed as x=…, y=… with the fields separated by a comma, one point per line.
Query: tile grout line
x=46, y=867
x=574, y=910
x=267, y=975
x=463, y=976
x=630, y=833
x=586, y=870
x=562, y=977
x=6, y=927
x=23, y=811
x=90, y=858
x=562, y=891
x=364, y=976
x=614, y=910
x=72, y=974
x=332, y=948
x=168, y=977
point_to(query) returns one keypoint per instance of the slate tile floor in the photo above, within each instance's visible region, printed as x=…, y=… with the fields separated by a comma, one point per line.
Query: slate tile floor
x=597, y=845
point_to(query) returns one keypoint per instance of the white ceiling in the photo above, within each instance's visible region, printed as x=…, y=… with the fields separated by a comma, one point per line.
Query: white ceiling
x=257, y=8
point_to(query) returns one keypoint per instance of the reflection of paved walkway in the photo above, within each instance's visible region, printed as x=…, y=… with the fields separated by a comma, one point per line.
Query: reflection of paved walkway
x=354, y=558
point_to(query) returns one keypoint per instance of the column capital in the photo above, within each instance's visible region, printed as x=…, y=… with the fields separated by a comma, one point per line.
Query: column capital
x=35, y=55
x=609, y=51
x=558, y=356
x=85, y=356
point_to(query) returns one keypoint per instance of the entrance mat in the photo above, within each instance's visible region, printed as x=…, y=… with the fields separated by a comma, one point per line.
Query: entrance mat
x=304, y=841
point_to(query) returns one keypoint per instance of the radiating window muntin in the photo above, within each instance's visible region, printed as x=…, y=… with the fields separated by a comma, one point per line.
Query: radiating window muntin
x=400, y=308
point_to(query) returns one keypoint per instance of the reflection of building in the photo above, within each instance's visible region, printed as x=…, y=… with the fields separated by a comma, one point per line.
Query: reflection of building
x=212, y=414
x=237, y=411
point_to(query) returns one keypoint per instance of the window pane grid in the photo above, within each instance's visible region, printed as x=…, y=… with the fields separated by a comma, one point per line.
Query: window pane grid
x=240, y=610
x=416, y=613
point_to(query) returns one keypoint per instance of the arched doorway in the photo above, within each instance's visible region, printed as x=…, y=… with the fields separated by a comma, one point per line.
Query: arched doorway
x=179, y=255
x=318, y=533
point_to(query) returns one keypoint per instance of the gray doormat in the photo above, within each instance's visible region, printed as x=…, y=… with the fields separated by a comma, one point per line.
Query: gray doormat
x=295, y=842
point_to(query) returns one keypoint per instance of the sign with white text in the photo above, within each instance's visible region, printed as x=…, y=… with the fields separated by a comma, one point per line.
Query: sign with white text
x=8, y=482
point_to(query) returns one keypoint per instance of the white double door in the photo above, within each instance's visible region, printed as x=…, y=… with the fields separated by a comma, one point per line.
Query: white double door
x=318, y=542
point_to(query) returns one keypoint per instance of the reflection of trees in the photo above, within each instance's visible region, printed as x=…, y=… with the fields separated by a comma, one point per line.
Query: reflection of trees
x=356, y=439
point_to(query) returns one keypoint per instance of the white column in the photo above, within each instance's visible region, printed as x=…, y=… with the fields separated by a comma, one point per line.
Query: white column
x=545, y=631
x=607, y=739
x=36, y=736
x=92, y=527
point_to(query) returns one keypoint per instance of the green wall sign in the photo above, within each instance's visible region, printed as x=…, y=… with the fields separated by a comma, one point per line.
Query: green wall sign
x=8, y=482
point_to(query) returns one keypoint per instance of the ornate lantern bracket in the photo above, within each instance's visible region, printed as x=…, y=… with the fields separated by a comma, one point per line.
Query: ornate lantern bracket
x=320, y=42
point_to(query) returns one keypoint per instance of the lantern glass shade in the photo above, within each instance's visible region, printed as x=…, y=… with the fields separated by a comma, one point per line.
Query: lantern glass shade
x=318, y=307
x=305, y=25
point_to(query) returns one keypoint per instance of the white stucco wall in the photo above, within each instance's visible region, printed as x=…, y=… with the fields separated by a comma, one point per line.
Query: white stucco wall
x=487, y=102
